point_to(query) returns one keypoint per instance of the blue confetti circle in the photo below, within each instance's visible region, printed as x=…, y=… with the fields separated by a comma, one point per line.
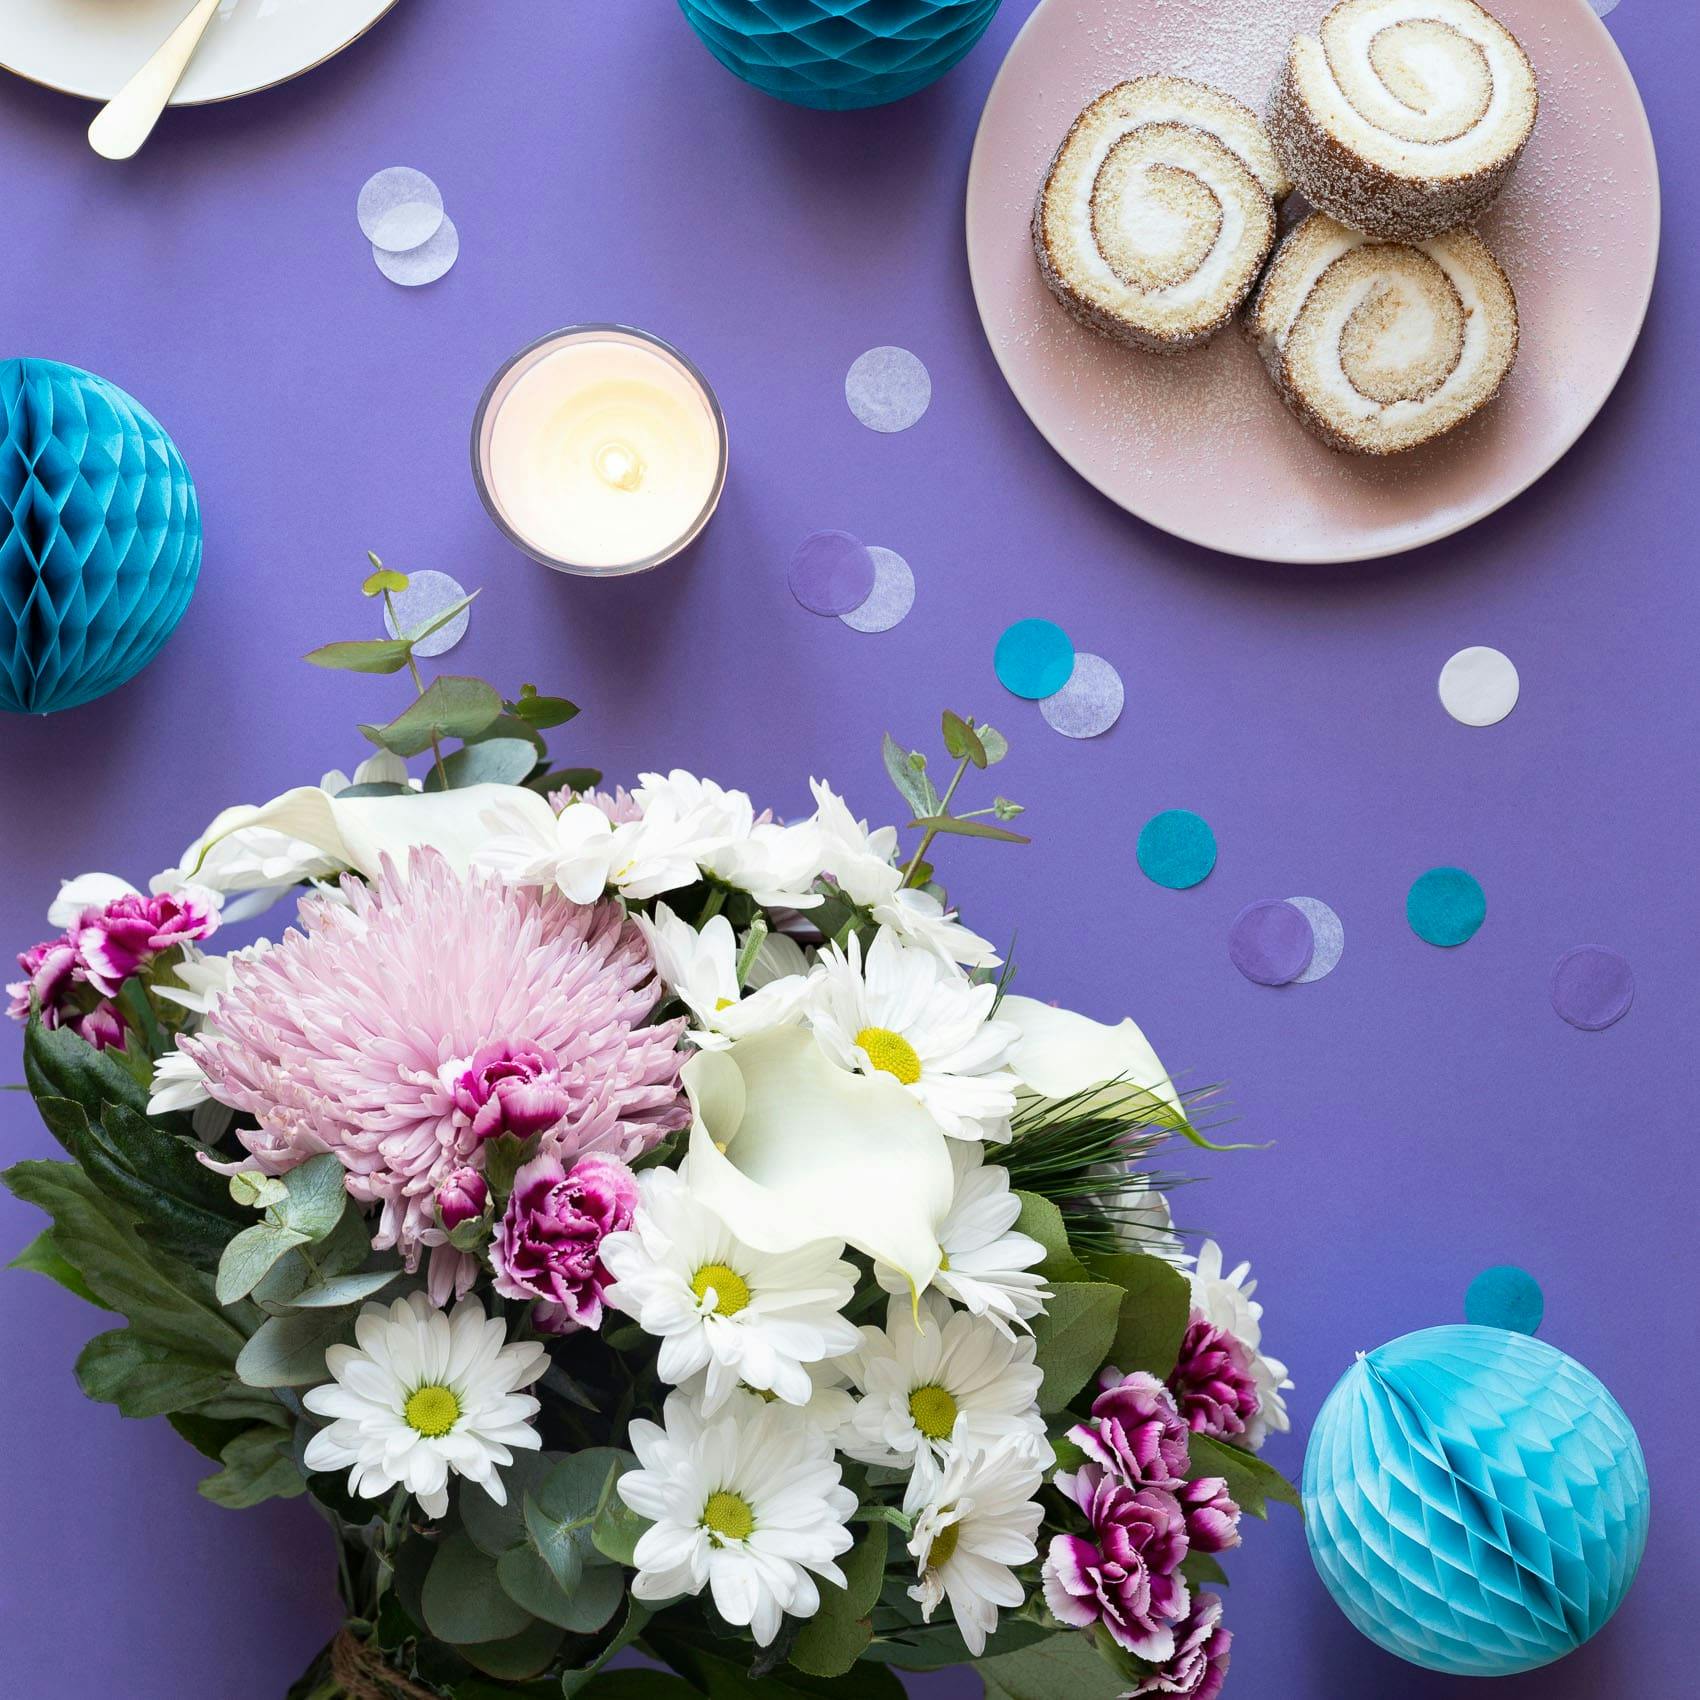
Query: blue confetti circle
x=1445, y=906
x=1034, y=659
x=1505, y=1297
x=1177, y=849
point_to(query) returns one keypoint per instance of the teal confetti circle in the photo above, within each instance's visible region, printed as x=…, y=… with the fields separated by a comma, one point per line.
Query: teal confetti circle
x=1445, y=906
x=1505, y=1297
x=1034, y=659
x=1177, y=849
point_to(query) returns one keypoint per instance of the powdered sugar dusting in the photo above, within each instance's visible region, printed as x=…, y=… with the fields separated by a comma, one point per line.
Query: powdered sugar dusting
x=1201, y=443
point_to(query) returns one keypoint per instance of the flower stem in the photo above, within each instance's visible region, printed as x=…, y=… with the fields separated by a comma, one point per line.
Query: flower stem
x=419, y=687
x=932, y=831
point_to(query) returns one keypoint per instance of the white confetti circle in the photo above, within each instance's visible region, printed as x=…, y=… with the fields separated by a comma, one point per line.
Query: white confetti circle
x=1479, y=686
x=427, y=595
x=891, y=598
x=888, y=388
x=1091, y=701
x=399, y=209
x=1328, y=932
x=424, y=264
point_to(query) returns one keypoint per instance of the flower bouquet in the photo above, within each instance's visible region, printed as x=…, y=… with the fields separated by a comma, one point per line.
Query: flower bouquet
x=636, y=1222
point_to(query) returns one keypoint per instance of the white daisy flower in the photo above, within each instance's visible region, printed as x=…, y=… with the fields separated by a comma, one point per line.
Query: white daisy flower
x=575, y=859
x=747, y=1505
x=979, y=1520
x=987, y=1268
x=775, y=864
x=701, y=970
x=717, y=1305
x=425, y=1393
x=830, y=1403
x=178, y=1084
x=903, y=1012
x=923, y=920
x=945, y=1382
x=1226, y=1301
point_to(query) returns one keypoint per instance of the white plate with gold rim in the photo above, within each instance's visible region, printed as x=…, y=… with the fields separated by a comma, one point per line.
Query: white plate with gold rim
x=93, y=47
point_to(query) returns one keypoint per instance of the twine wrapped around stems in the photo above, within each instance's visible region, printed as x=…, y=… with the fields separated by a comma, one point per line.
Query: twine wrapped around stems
x=362, y=1673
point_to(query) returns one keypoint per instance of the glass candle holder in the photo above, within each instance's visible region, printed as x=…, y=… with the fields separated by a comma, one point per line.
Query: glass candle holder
x=599, y=450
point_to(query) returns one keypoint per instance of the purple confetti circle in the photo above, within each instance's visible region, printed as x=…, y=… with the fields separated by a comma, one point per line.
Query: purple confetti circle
x=1271, y=942
x=832, y=572
x=1592, y=987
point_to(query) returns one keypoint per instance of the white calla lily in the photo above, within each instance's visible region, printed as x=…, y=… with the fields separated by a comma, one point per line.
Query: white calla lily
x=787, y=1149
x=358, y=832
x=1060, y=1054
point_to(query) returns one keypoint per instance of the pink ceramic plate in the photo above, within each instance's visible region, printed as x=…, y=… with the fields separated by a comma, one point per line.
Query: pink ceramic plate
x=1199, y=444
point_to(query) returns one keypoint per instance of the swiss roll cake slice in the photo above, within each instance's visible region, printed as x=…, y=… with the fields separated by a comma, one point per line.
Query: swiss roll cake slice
x=1381, y=346
x=1404, y=118
x=1158, y=212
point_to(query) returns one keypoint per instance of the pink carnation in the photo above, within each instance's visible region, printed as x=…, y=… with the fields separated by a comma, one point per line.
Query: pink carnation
x=115, y=941
x=1199, y=1668
x=548, y=1246
x=357, y=1035
x=1212, y=1383
x=49, y=976
x=1126, y=1575
x=1212, y=1518
x=1136, y=1432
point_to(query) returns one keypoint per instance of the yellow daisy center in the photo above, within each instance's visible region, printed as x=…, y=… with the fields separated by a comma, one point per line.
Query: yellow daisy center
x=731, y=1290
x=433, y=1411
x=891, y=1053
x=943, y=1549
x=728, y=1516
x=934, y=1411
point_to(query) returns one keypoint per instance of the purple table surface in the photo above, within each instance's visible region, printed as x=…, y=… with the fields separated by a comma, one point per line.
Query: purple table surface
x=1430, y=1113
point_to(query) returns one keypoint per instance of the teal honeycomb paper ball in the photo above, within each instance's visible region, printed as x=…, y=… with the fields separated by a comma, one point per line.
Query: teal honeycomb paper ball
x=838, y=54
x=100, y=536
x=1475, y=1501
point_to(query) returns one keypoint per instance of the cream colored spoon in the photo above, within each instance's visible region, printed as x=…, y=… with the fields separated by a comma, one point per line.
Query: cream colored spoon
x=127, y=120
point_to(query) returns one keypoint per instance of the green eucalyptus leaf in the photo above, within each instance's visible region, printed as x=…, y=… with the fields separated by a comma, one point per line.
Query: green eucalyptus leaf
x=381, y=579
x=994, y=743
x=494, y=1528
x=637, y=1617
x=249, y=1258
x=1073, y=1337
x=316, y=1198
x=543, y=711
x=442, y=617
x=957, y=827
x=451, y=706
x=565, y=779
x=494, y=761
x=43, y=1256
x=362, y=655
x=463, y=1598
x=962, y=741
x=343, y=1290
x=513, y=1661
x=911, y=780
x=831, y=1642
x=257, y=1191
x=289, y=1351
x=257, y=1466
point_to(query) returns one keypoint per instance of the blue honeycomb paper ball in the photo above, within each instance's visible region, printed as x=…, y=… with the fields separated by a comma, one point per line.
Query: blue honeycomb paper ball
x=838, y=54
x=1475, y=1501
x=100, y=536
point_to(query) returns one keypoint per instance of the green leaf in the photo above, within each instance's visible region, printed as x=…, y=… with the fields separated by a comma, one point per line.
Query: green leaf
x=167, y=1303
x=144, y=1380
x=452, y=706
x=503, y=1157
x=583, y=1609
x=494, y=1528
x=362, y=655
x=61, y=1064
x=43, y=1255
x=343, y=1290
x=1064, y=1666
x=1251, y=1482
x=1202, y=1570
x=560, y=1510
x=907, y=770
x=543, y=711
x=994, y=743
x=1073, y=1336
x=1042, y=1220
x=639, y=1685
x=750, y=949
x=208, y=1436
x=317, y=1197
x=463, y=1598
x=257, y=1191
x=566, y=779
x=289, y=1351
x=382, y=579
x=941, y=1645
x=832, y=1640
x=257, y=1466
x=637, y=1616
x=495, y=761
x=721, y=1679
x=249, y=1257
x=968, y=828
x=962, y=741
x=617, y=1529
x=513, y=1661
x=1154, y=1314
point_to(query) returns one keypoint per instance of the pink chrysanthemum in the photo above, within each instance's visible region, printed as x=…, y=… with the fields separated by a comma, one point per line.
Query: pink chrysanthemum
x=358, y=1035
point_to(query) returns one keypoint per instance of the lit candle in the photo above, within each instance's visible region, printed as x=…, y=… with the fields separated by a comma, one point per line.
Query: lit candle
x=599, y=450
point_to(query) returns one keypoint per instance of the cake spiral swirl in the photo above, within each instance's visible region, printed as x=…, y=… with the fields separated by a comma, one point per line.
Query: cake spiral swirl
x=1158, y=211
x=1381, y=346
x=1404, y=118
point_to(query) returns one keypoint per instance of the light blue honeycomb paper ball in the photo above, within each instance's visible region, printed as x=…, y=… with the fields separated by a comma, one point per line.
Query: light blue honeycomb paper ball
x=838, y=54
x=1475, y=1501
x=100, y=536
